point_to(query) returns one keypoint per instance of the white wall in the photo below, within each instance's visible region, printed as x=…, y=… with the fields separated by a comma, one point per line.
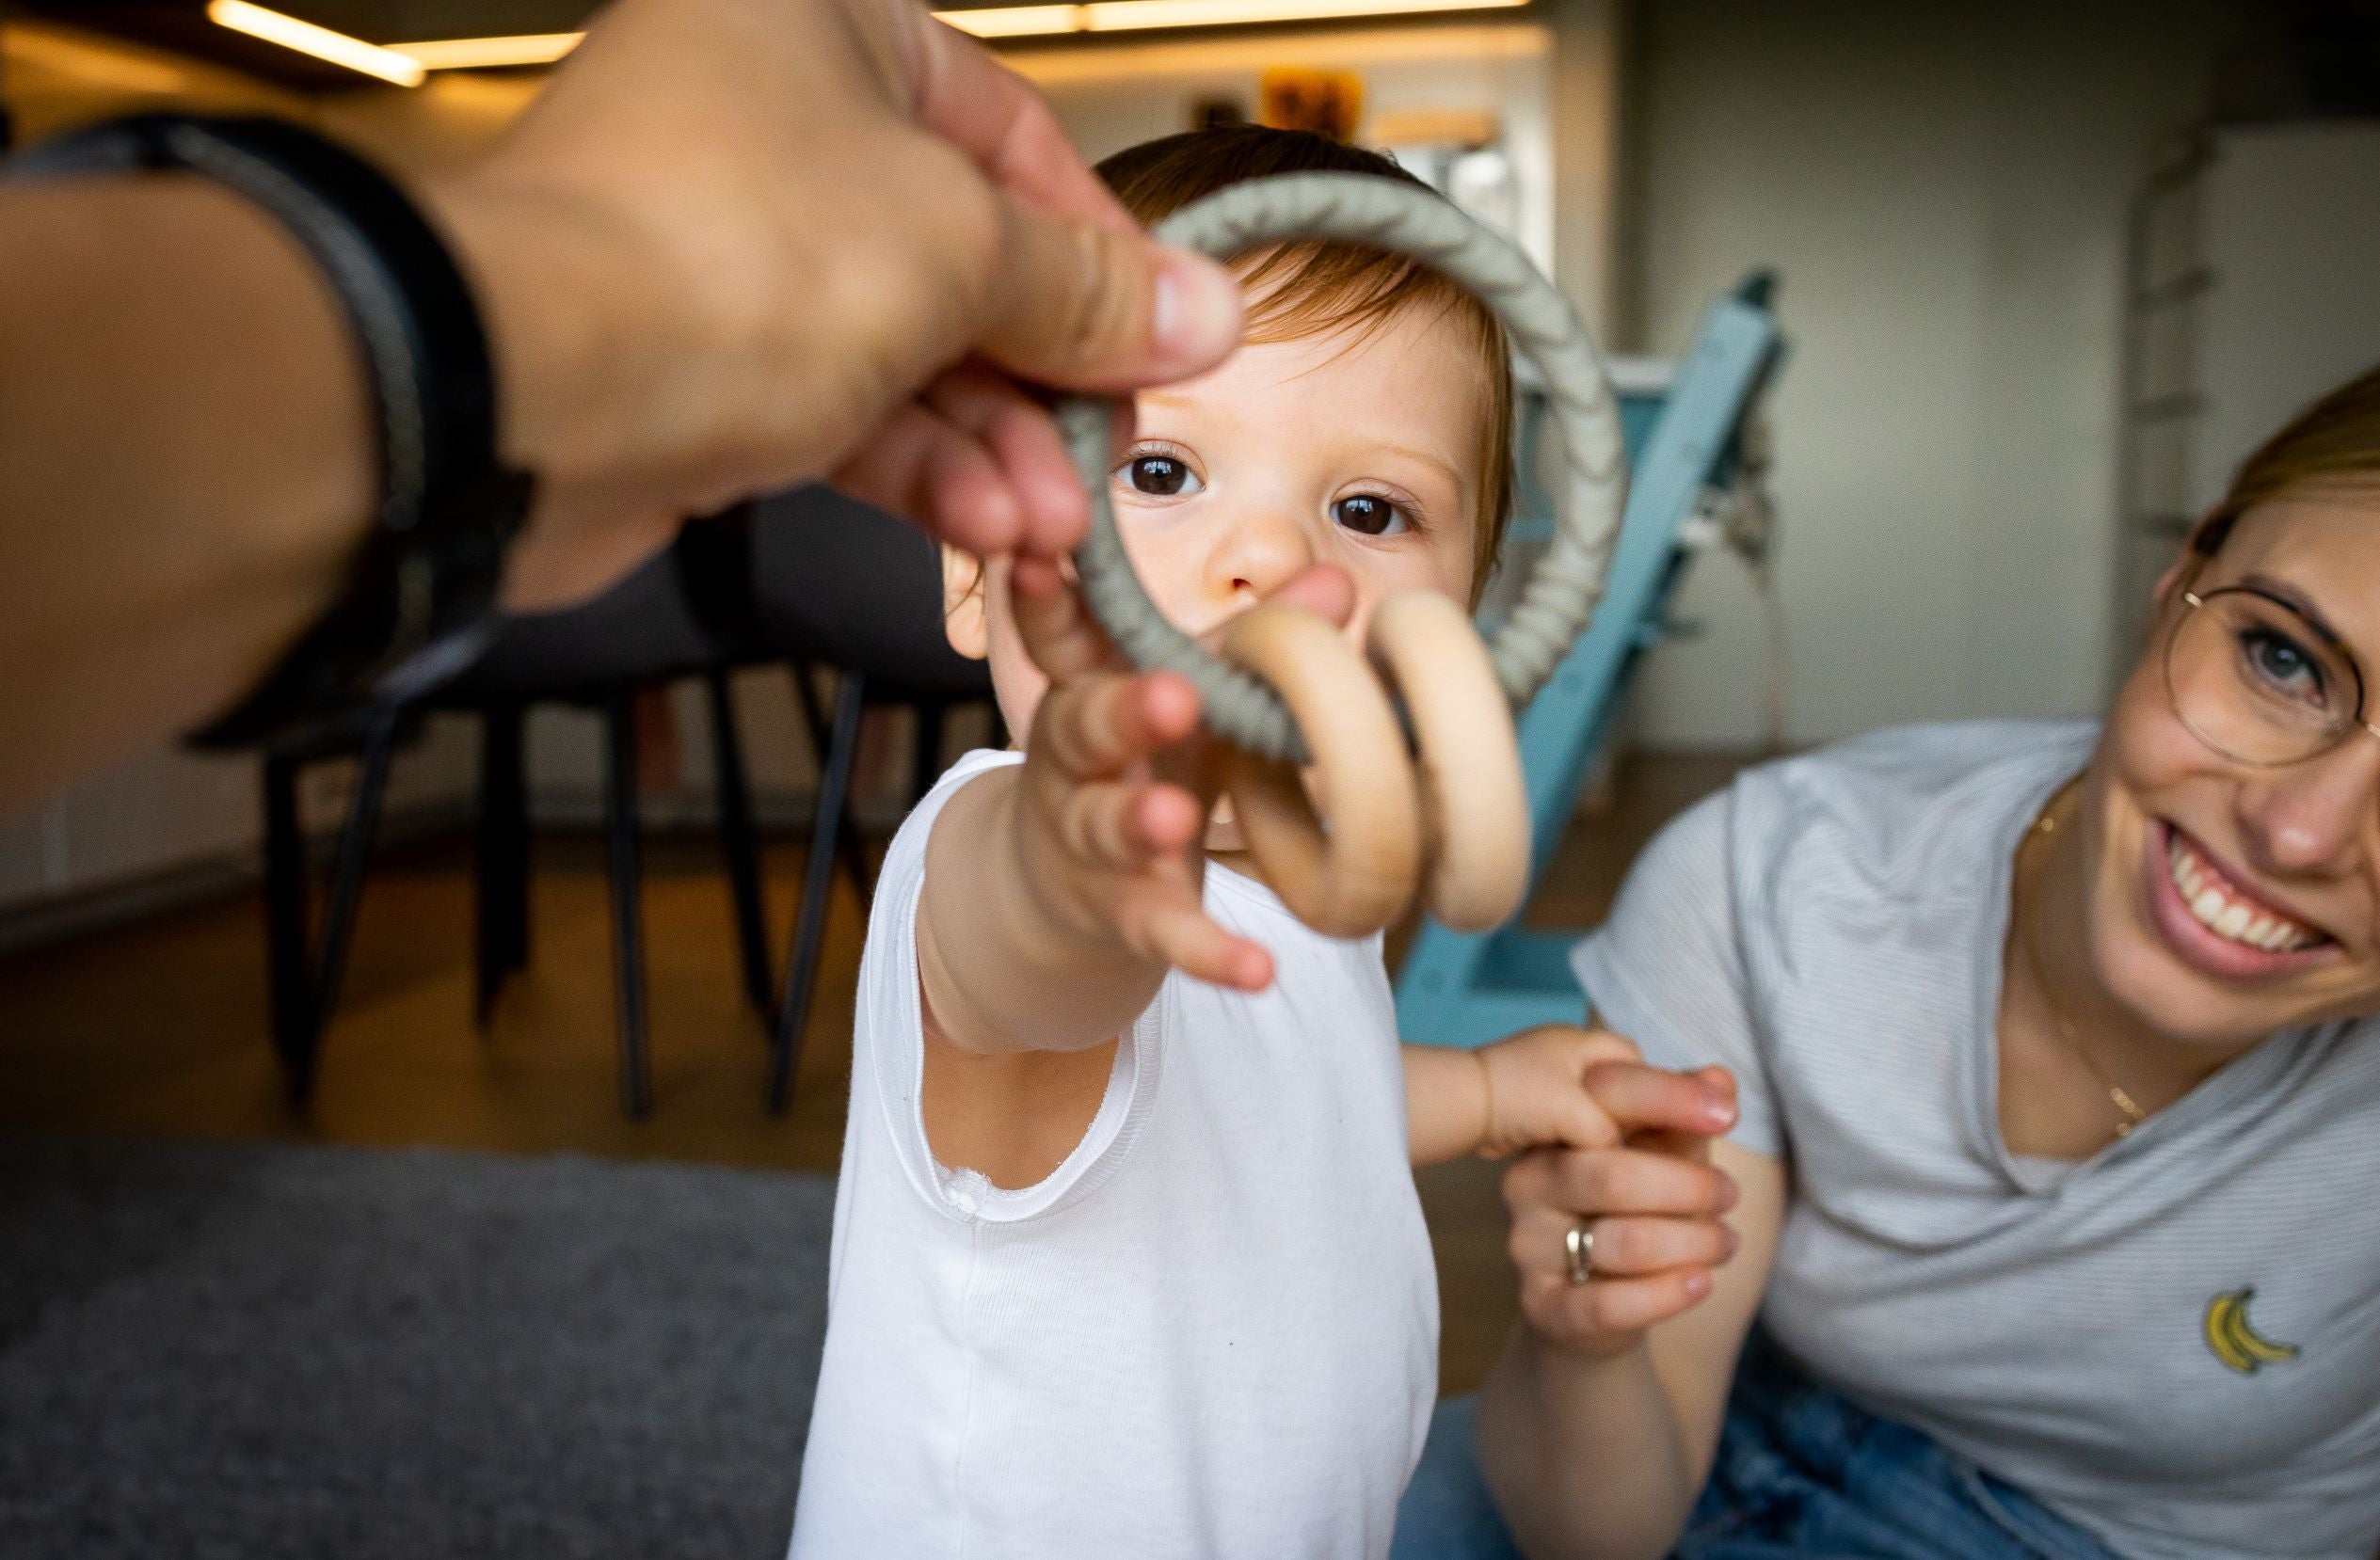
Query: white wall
x=2291, y=233
x=1113, y=96
x=1551, y=82
x=1942, y=190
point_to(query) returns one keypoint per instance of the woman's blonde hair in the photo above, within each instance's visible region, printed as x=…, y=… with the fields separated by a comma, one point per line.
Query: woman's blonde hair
x=1302, y=290
x=2336, y=440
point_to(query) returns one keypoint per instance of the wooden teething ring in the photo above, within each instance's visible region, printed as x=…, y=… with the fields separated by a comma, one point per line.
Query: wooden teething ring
x=1475, y=805
x=1357, y=877
x=1475, y=845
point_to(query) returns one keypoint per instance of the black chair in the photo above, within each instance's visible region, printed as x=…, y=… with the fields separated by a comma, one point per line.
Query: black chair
x=684, y=614
x=304, y=983
x=838, y=582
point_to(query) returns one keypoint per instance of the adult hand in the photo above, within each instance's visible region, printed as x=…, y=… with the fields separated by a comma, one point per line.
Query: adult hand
x=740, y=243
x=1643, y=1188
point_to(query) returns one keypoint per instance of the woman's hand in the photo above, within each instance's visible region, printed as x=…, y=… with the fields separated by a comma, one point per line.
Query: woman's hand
x=1643, y=1190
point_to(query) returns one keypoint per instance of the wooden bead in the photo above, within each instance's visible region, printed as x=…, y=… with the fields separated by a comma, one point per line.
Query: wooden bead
x=1350, y=870
x=1474, y=804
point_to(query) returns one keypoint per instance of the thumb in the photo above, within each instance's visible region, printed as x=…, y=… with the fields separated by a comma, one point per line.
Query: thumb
x=1325, y=590
x=1084, y=307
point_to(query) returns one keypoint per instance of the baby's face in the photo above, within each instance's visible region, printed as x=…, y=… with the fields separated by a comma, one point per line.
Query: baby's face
x=1362, y=451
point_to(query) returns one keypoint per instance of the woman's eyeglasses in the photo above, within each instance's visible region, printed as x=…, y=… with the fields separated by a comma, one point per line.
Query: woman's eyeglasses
x=2257, y=680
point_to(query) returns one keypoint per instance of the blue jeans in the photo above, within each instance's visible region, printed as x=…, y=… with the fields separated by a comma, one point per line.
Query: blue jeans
x=1800, y=1472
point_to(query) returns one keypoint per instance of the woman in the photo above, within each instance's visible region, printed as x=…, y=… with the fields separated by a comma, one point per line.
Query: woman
x=2058, y=1155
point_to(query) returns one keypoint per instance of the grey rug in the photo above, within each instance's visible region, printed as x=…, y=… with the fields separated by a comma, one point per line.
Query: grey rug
x=253, y=1352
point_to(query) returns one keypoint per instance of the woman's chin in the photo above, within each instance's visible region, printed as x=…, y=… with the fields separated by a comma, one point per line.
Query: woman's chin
x=2188, y=1006
x=1222, y=831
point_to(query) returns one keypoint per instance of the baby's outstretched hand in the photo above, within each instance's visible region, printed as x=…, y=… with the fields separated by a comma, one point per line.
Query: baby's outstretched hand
x=1112, y=808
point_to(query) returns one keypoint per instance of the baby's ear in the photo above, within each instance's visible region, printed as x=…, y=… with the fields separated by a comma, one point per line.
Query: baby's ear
x=963, y=603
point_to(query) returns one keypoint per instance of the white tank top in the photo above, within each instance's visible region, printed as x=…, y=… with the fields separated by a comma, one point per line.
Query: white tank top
x=1211, y=1331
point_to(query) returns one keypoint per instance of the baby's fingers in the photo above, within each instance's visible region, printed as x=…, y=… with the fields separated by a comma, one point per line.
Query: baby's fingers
x=1096, y=727
x=1121, y=826
x=1183, y=935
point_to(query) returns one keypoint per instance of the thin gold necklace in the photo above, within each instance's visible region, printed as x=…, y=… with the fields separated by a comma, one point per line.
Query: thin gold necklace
x=2043, y=828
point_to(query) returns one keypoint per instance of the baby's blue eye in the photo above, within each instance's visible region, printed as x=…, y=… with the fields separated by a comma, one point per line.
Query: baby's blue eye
x=1160, y=476
x=1370, y=515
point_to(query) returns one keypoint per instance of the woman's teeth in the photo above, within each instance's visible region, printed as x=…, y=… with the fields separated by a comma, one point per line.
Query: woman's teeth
x=2229, y=914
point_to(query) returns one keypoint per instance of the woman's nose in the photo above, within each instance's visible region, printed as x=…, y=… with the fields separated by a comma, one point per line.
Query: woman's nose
x=2316, y=815
x=1256, y=554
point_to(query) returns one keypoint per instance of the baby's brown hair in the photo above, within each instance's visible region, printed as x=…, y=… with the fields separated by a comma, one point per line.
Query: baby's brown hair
x=1305, y=289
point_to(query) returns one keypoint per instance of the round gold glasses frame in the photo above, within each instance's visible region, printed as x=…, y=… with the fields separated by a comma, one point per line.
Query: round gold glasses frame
x=2213, y=703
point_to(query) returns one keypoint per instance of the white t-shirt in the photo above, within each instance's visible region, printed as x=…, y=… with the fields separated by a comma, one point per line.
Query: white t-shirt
x=1831, y=927
x=1211, y=1331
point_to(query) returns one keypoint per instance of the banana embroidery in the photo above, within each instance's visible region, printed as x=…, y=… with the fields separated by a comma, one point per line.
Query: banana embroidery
x=2237, y=1343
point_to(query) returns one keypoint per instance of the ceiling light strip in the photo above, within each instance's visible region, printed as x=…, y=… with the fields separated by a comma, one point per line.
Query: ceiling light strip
x=1098, y=16
x=321, y=42
x=481, y=54
x=1018, y=21
x=1125, y=15
x=1106, y=16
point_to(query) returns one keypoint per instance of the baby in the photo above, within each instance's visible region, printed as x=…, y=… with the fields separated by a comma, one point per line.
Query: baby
x=1127, y=1257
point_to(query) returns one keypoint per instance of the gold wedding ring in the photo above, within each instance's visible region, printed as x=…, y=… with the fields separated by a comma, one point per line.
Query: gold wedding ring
x=1578, y=1243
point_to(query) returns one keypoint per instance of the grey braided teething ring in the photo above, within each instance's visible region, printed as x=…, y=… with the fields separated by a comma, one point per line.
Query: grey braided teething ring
x=1386, y=213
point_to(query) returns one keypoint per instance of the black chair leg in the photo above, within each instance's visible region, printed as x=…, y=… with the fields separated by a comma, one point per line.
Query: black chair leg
x=628, y=921
x=355, y=853
x=925, y=764
x=739, y=843
x=503, y=857
x=305, y=984
x=848, y=844
x=817, y=879
x=285, y=931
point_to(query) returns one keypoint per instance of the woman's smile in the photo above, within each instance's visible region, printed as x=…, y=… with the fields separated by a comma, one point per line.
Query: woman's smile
x=2211, y=920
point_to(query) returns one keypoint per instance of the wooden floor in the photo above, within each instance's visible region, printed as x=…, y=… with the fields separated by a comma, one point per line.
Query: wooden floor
x=158, y=1029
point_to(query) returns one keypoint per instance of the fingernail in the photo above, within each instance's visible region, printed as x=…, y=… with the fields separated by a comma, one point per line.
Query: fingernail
x=1197, y=318
x=1697, y=1283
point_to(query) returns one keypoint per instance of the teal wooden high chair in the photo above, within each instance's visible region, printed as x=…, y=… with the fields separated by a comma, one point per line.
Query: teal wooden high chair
x=1468, y=989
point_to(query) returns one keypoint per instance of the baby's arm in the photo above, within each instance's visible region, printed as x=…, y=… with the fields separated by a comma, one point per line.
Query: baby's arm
x=1531, y=1090
x=1058, y=893
x=1447, y=1102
